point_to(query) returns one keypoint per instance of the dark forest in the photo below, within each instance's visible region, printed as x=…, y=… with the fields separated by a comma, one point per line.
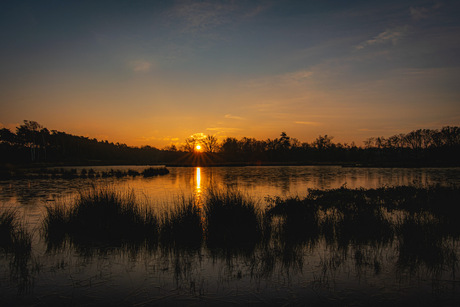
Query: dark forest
x=32, y=143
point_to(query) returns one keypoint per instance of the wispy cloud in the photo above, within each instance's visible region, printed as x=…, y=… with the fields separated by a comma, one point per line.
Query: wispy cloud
x=219, y=130
x=230, y=116
x=307, y=123
x=296, y=76
x=418, y=13
x=141, y=66
x=199, y=17
x=367, y=130
x=153, y=138
x=198, y=136
x=390, y=35
x=286, y=79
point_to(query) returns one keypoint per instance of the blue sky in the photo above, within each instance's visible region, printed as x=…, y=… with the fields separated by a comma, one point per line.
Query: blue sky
x=155, y=72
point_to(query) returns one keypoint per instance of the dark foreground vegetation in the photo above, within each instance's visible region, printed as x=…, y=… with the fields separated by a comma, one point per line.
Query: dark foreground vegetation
x=16, y=246
x=421, y=220
x=13, y=238
x=100, y=217
x=406, y=230
x=32, y=143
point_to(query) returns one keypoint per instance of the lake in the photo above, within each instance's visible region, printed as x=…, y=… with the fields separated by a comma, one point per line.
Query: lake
x=320, y=272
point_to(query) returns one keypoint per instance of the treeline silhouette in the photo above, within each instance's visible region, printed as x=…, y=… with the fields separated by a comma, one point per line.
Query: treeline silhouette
x=33, y=143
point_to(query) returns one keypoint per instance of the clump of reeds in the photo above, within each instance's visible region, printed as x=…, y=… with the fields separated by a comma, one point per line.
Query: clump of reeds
x=231, y=224
x=73, y=173
x=422, y=241
x=363, y=226
x=155, y=171
x=16, y=243
x=182, y=226
x=100, y=215
x=69, y=174
x=232, y=220
x=299, y=219
x=8, y=226
x=13, y=237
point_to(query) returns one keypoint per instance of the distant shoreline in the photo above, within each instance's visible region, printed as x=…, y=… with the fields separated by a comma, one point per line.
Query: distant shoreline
x=114, y=164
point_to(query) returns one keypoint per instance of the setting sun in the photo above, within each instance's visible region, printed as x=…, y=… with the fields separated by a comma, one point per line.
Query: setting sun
x=198, y=148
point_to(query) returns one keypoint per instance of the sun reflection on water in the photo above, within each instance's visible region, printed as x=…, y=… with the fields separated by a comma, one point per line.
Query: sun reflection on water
x=198, y=191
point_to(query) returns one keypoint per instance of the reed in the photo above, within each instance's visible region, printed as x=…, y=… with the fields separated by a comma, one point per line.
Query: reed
x=229, y=224
x=8, y=227
x=152, y=171
x=13, y=237
x=73, y=173
x=100, y=216
x=423, y=241
x=182, y=226
x=232, y=220
x=298, y=221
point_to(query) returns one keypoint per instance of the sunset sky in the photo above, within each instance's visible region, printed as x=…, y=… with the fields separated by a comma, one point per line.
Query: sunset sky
x=155, y=72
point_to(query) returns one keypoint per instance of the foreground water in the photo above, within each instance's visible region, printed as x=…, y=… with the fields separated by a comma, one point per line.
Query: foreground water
x=376, y=272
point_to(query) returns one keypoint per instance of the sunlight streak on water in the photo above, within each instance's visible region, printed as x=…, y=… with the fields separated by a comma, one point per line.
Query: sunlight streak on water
x=198, y=191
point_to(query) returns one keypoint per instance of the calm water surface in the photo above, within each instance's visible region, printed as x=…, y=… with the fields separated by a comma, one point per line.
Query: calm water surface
x=321, y=273
x=253, y=181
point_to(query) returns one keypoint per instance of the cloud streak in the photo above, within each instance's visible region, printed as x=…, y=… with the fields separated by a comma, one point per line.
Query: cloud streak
x=307, y=123
x=141, y=66
x=419, y=13
x=223, y=129
x=230, y=116
x=286, y=79
x=388, y=36
x=204, y=16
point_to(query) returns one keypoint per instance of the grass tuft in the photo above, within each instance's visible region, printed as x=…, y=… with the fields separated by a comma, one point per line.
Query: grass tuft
x=232, y=220
x=101, y=216
x=155, y=171
x=13, y=237
x=182, y=226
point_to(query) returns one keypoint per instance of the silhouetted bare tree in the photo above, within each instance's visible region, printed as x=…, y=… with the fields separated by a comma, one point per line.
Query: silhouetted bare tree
x=210, y=143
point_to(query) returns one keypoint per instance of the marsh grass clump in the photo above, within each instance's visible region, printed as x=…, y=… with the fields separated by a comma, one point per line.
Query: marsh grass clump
x=182, y=226
x=133, y=173
x=155, y=171
x=73, y=173
x=363, y=227
x=422, y=240
x=69, y=174
x=16, y=244
x=13, y=237
x=232, y=220
x=299, y=219
x=56, y=226
x=100, y=216
x=8, y=227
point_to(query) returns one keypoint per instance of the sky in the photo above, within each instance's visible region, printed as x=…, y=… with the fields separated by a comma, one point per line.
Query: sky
x=155, y=72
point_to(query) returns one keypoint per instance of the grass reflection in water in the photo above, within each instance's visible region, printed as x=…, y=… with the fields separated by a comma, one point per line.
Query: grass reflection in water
x=406, y=232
